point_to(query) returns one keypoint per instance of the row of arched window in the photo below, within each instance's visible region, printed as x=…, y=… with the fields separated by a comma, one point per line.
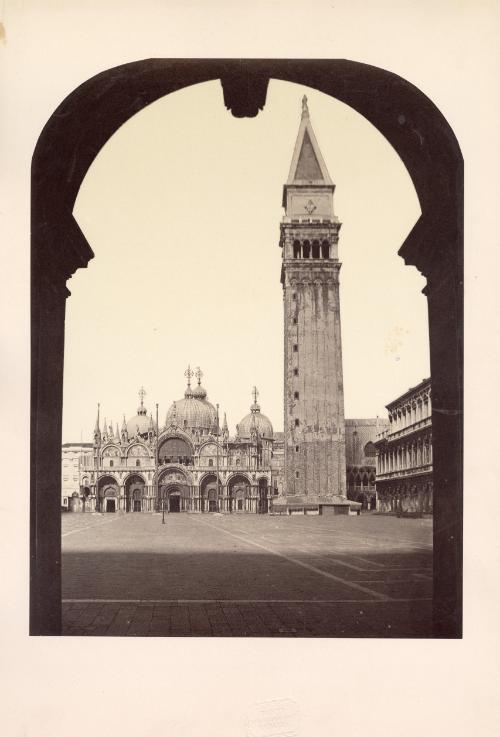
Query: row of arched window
x=405, y=457
x=413, y=412
x=306, y=249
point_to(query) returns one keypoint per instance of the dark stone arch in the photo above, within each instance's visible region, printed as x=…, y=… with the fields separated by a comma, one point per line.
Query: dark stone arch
x=79, y=128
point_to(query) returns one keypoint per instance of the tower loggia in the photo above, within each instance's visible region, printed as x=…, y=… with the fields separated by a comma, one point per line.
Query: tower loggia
x=315, y=465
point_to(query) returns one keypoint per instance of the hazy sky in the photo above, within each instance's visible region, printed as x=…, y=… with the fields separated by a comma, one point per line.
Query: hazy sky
x=182, y=208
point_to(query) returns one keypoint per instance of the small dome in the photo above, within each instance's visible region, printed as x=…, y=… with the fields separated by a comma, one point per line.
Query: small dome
x=141, y=419
x=199, y=392
x=257, y=419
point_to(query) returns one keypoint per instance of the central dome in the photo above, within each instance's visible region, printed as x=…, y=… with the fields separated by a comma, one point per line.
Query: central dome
x=194, y=412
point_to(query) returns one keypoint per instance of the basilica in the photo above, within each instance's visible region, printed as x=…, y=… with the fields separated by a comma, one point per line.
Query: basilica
x=188, y=464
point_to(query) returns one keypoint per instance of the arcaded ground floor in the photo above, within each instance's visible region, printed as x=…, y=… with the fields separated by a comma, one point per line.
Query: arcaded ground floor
x=214, y=575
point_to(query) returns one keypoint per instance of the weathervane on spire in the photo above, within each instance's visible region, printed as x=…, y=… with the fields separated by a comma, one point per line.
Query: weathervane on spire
x=305, y=109
x=142, y=394
x=199, y=374
x=188, y=373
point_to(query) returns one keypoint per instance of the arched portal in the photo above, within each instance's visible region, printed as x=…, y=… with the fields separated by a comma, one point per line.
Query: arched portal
x=208, y=493
x=108, y=494
x=174, y=489
x=134, y=493
x=239, y=493
x=427, y=146
x=173, y=496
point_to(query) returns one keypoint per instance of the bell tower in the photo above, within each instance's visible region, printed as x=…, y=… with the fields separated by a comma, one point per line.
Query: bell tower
x=314, y=393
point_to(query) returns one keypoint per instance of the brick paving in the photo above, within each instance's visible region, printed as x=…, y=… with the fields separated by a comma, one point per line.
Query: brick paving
x=246, y=576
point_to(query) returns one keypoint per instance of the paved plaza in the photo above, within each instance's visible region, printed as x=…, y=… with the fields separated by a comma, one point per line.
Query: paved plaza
x=246, y=575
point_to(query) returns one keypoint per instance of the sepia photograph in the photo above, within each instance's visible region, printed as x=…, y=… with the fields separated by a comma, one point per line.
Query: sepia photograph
x=248, y=429
x=246, y=489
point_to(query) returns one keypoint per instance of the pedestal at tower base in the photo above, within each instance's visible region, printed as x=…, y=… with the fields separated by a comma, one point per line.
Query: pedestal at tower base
x=326, y=505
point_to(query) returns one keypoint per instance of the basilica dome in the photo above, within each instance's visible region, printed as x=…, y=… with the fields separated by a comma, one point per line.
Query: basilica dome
x=255, y=419
x=141, y=420
x=194, y=412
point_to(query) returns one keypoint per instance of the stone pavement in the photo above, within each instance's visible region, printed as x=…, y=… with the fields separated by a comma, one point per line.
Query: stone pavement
x=246, y=575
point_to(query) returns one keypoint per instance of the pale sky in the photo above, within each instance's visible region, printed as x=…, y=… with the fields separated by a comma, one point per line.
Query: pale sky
x=182, y=209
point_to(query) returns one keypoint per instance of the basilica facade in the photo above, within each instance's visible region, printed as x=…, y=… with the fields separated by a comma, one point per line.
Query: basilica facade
x=188, y=464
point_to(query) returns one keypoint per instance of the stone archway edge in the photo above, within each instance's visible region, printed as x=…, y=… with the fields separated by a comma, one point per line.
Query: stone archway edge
x=79, y=128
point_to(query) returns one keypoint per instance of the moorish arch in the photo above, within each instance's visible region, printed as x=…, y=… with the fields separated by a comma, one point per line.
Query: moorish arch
x=80, y=127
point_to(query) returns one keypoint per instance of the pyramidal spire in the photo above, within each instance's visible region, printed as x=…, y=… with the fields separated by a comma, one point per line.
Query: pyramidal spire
x=308, y=165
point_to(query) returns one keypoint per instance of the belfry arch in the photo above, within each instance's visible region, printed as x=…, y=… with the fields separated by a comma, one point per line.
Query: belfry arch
x=428, y=148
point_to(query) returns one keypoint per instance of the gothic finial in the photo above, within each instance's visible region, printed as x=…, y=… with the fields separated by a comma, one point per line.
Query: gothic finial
x=255, y=393
x=188, y=373
x=199, y=375
x=142, y=394
x=305, y=109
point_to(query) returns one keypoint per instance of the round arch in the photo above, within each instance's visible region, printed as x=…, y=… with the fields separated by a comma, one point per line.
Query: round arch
x=135, y=485
x=174, y=482
x=108, y=493
x=209, y=501
x=238, y=492
x=428, y=148
x=175, y=449
x=172, y=497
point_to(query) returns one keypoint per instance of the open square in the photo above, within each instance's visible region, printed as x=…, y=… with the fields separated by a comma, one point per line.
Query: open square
x=244, y=575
